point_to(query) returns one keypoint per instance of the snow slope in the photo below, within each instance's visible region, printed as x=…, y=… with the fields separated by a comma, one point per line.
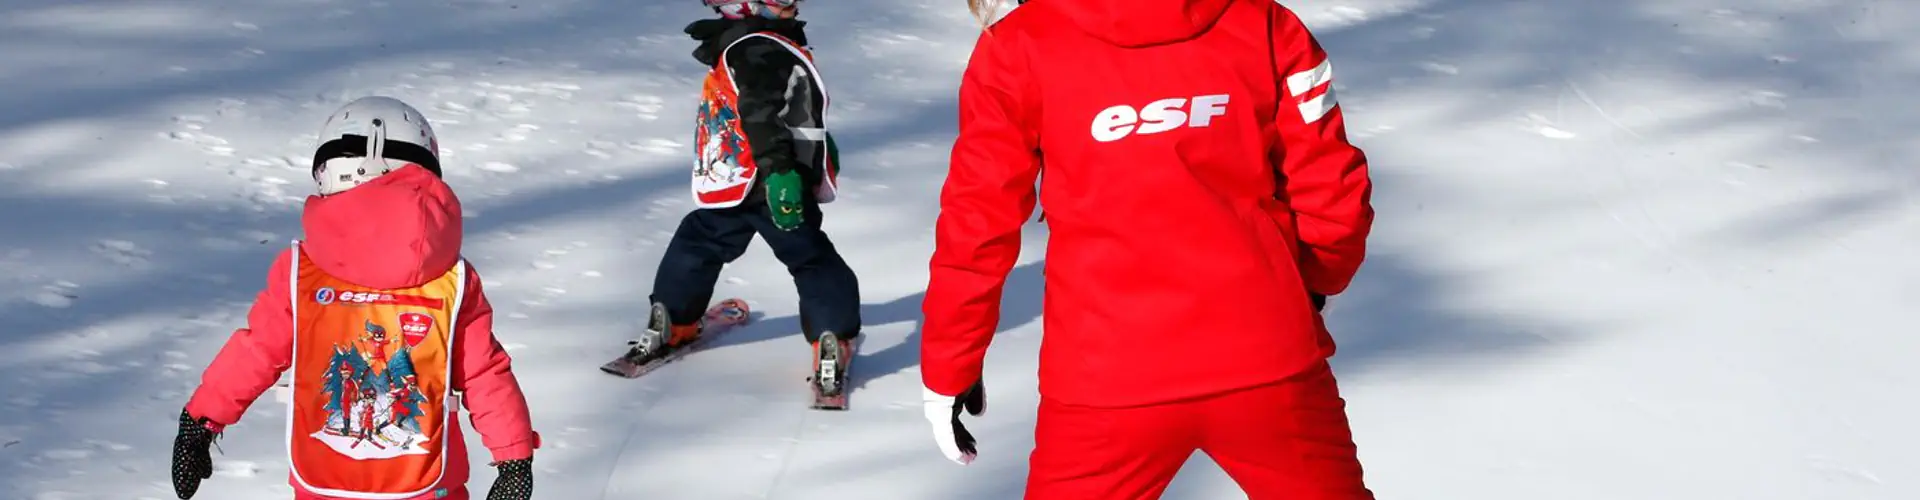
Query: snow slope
x=1636, y=249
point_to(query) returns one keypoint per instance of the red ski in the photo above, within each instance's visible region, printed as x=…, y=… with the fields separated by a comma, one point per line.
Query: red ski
x=723, y=317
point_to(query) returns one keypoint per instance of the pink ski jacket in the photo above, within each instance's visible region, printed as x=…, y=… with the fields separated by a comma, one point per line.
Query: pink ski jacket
x=400, y=230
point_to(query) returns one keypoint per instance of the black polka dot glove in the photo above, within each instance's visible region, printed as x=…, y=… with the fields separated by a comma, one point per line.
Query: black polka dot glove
x=192, y=459
x=515, y=481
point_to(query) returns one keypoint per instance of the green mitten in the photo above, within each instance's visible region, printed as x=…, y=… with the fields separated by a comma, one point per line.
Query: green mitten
x=784, y=199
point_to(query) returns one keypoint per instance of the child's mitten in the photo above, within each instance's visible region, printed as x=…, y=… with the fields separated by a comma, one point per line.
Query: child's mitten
x=192, y=458
x=515, y=481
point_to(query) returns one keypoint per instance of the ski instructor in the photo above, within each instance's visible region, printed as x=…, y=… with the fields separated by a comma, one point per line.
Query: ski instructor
x=1202, y=200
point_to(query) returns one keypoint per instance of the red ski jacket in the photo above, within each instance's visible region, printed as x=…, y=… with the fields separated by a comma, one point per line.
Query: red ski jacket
x=1199, y=185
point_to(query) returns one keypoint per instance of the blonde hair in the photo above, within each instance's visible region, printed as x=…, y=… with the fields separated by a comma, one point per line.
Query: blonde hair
x=983, y=10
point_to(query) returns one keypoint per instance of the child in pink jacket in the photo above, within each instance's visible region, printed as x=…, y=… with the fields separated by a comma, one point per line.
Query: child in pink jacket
x=385, y=330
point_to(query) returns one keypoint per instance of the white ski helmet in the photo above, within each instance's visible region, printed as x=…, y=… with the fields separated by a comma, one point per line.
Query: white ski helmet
x=368, y=138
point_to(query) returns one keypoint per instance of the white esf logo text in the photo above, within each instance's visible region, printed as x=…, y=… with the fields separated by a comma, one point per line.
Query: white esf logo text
x=1120, y=121
x=327, y=295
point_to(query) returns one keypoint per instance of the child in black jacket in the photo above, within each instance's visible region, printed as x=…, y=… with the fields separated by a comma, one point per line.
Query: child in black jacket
x=765, y=164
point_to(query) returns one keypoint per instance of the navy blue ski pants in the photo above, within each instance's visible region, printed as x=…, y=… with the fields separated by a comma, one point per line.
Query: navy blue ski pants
x=710, y=238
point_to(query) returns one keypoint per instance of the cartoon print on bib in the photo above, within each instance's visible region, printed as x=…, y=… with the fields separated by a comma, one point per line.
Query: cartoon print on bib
x=372, y=398
x=721, y=163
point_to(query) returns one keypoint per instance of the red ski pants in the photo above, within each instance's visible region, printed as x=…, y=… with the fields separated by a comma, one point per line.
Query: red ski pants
x=1283, y=441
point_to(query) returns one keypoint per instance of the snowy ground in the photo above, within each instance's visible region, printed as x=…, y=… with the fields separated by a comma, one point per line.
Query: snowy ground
x=1638, y=249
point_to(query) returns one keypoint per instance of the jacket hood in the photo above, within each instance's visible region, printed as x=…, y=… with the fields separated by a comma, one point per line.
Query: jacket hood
x=397, y=231
x=1140, y=23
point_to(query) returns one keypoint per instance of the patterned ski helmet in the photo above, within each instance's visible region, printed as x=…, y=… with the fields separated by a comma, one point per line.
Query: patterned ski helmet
x=368, y=138
x=741, y=9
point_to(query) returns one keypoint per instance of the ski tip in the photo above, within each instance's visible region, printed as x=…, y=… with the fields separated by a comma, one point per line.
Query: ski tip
x=737, y=303
x=729, y=313
x=622, y=370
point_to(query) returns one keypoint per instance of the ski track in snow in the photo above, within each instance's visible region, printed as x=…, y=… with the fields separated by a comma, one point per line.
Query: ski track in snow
x=1593, y=261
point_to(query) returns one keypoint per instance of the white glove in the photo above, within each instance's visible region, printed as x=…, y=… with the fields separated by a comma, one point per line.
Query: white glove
x=943, y=412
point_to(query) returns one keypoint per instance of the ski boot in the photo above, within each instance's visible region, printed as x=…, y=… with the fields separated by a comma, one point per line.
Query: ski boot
x=832, y=357
x=660, y=338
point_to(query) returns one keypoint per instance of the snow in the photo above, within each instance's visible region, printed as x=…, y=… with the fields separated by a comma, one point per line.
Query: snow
x=1639, y=249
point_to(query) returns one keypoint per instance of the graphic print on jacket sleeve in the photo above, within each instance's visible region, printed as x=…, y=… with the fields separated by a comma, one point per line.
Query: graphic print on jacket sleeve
x=1312, y=91
x=372, y=406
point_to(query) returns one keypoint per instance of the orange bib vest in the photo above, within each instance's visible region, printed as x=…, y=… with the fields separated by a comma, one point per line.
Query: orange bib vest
x=372, y=394
x=723, y=167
